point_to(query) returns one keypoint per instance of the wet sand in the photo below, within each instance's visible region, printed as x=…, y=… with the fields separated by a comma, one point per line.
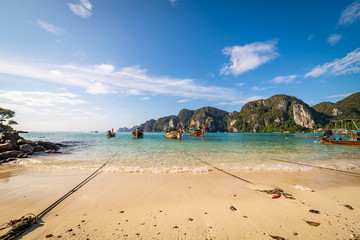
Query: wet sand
x=211, y=205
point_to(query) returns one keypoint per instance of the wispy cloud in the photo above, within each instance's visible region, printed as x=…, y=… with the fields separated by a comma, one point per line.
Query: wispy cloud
x=311, y=37
x=81, y=8
x=339, y=95
x=346, y=65
x=284, y=79
x=240, y=102
x=173, y=2
x=350, y=14
x=333, y=39
x=50, y=28
x=41, y=98
x=240, y=84
x=258, y=88
x=106, y=79
x=145, y=98
x=183, y=100
x=248, y=57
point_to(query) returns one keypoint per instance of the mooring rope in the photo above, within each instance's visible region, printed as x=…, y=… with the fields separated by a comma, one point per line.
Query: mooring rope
x=305, y=164
x=20, y=226
x=222, y=170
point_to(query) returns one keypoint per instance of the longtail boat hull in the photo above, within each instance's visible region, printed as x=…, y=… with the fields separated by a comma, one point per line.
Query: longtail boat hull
x=341, y=142
x=138, y=133
x=198, y=133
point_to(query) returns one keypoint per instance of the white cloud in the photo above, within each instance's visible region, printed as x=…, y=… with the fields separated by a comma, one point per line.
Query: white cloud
x=81, y=8
x=51, y=28
x=133, y=92
x=284, y=79
x=41, y=99
x=248, y=57
x=106, y=79
x=333, y=39
x=98, y=88
x=182, y=100
x=350, y=14
x=240, y=102
x=173, y=2
x=258, y=89
x=339, y=95
x=346, y=65
x=240, y=84
x=144, y=98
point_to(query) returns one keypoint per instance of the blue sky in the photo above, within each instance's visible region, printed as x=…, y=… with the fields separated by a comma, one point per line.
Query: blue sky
x=99, y=64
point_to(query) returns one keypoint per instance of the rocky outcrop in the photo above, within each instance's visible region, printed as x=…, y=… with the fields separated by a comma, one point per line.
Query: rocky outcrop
x=12, y=146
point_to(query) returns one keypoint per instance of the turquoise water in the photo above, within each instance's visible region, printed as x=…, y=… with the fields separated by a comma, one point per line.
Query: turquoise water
x=156, y=154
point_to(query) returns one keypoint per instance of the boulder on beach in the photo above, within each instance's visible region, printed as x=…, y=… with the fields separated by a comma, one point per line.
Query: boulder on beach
x=24, y=141
x=27, y=148
x=10, y=154
x=48, y=145
x=5, y=147
x=10, y=135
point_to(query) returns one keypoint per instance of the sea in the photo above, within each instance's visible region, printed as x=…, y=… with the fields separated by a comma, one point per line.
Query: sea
x=156, y=154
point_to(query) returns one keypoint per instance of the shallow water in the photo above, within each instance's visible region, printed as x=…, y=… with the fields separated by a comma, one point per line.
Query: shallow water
x=156, y=154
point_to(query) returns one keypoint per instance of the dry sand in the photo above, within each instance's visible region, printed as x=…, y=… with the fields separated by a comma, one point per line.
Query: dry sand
x=183, y=205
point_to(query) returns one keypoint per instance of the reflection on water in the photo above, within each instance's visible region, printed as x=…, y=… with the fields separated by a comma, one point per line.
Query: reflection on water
x=154, y=153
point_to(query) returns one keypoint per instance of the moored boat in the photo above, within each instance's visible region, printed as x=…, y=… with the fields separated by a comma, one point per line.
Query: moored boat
x=172, y=132
x=197, y=132
x=138, y=133
x=110, y=134
x=352, y=138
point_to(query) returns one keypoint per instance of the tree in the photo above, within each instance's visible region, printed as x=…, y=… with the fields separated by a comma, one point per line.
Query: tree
x=6, y=114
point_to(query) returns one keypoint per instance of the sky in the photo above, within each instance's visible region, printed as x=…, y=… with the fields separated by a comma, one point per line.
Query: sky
x=83, y=65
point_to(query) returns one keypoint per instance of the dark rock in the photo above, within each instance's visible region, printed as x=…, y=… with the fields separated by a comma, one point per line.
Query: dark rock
x=10, y=135
x=27, y=148
x=15, y=146
x=38, y=148
x=5, y=147
x=48, y=145
x=10, y=154
x=52, y=151
x=24, y=141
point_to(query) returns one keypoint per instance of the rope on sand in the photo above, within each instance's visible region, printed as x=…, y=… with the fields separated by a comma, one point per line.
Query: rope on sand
x=221, y=170
x=305, y=164
x=19, y=226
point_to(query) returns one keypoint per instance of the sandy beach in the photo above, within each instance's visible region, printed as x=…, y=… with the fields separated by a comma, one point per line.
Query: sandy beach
x=211, y=205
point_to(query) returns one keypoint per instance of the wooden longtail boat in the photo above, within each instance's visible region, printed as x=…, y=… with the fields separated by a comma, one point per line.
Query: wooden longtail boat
x=350, y=138
x=111, y=134
x=138, y=133
x=173, y=133
x=197, y=133
x=340, y=142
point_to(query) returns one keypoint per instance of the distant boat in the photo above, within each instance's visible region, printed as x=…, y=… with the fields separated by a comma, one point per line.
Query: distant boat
x=172, y=132
x=197, y=132
x=111, y=134
x=138, y=133
x=96, y=131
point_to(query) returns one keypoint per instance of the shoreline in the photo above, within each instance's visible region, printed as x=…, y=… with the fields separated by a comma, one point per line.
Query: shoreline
x=184, y=205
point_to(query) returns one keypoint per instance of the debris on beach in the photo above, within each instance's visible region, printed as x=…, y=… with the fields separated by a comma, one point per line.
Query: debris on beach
x=314, y=224
x=349, y=207
x=314, y=211
x=232, y=208
x=277, y=193
x=302, y=188
x=277, y=237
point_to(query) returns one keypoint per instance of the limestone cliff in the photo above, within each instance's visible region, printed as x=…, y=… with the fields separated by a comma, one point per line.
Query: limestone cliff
x=277, y=113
